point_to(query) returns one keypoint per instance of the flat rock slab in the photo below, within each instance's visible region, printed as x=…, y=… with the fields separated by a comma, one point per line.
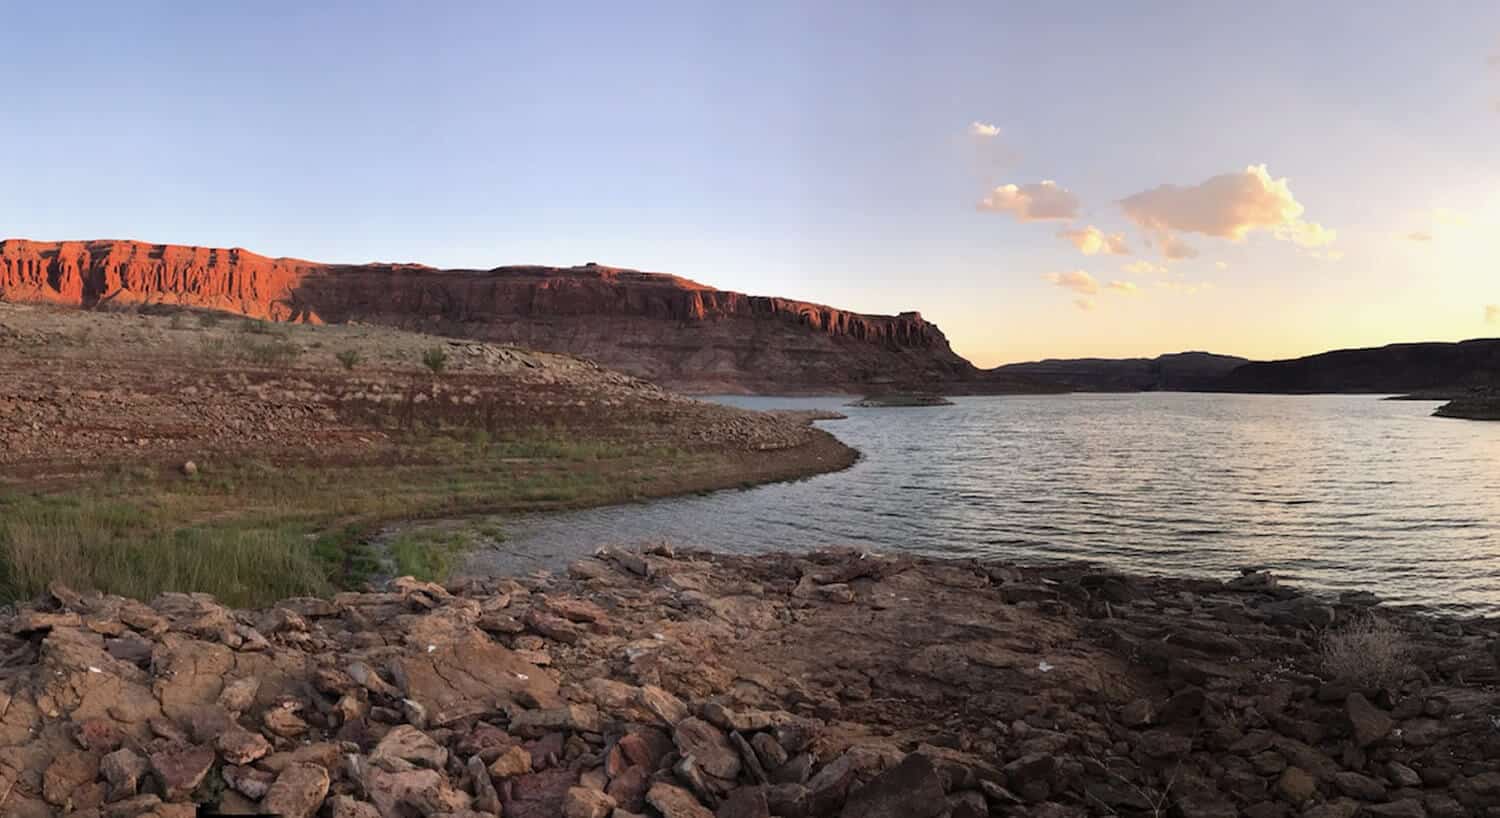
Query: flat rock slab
x=473, y=676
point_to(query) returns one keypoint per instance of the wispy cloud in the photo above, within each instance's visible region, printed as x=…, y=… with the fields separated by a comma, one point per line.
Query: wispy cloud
x=1419, y=235
x=1042, y=201
x=1221, y=265
x=1091, y=241
x=1085, y=304
x=1144, y=267
x=1076, y=280
x=1124, y=287
x=983, y=130
x=1492, y=313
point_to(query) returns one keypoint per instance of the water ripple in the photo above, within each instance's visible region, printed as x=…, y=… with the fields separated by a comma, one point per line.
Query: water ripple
x=1338, y=492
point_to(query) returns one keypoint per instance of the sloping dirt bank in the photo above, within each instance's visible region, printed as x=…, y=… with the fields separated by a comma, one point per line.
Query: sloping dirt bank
x=175, y=450
x=693, y=685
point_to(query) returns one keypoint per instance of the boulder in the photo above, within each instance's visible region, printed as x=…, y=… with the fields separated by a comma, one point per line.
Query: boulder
x=910, y=789
x=180, y=769
x=675, y=802
x=1368, y=722
x=583, y=802
x=411, y=745
x=708, y=746
x=298, y=792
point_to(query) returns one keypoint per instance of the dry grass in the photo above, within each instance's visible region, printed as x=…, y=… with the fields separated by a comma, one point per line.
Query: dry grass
x=1368, y=652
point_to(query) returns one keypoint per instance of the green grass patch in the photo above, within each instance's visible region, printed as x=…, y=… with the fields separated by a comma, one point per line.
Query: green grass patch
x=252, y=532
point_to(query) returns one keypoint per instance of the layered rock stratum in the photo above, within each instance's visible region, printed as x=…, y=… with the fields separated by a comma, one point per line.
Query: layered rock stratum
x=668, y=329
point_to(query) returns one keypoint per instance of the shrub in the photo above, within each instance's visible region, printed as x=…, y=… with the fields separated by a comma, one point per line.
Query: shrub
x=255, y=326
x=176, y=321
x=213, y=348
x=272, y=353
x=209, y=319
x=1366, y=652
x=350, y=359
x=435, y=359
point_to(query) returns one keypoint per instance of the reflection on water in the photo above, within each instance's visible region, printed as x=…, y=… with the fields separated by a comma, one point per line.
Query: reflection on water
x=1334, y=492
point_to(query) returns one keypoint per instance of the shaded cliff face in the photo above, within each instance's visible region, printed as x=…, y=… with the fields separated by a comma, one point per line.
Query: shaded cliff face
x=657, y=326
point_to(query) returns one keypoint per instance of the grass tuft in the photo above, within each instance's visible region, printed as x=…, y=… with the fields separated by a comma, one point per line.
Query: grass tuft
x=1368, y=652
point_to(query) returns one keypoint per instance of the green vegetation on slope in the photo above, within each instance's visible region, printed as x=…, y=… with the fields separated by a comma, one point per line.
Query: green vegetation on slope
x=253, y=532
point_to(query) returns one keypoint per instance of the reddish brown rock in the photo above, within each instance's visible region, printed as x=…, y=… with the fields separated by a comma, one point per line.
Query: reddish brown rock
x=181, y=769
x=743, y=340
x=298, y=791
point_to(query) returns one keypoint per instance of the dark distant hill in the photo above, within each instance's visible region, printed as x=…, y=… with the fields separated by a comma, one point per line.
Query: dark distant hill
x=1183, y=371
x=1398, y=368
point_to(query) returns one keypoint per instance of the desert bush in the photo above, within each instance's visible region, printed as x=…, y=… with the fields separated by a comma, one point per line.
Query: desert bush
x=435, y=359
x=1367, y=652
x=212, y=348
x=255, y=326
x=350, y=359
x=176, y=321
x=271, y=353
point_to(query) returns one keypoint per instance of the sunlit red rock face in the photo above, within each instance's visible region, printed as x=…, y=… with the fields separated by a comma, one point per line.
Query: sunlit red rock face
x=658, y=326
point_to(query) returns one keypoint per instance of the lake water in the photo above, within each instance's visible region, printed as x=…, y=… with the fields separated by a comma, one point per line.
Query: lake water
x=1332, y=492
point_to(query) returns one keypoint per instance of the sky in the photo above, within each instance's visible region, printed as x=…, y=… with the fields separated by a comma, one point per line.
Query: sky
x=1055, y=179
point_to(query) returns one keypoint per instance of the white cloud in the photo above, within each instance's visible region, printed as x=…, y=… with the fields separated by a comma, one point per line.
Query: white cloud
x=1227, y=206
x=1307, y=234
x=1076, y=280
x=1091, y=241
x=983, y=130
x=1144, y=267
x=1492, y=313
x=1044, y=201
x=1176, y=249
x=1124, y=287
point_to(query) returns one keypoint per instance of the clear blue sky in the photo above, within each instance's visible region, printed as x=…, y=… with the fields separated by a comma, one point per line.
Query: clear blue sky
x=816, y=150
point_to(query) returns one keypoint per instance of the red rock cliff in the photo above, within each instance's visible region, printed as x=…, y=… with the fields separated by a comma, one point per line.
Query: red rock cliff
x=655, y=325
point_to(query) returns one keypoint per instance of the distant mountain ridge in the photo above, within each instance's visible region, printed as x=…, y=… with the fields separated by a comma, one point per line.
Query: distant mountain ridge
x=1396, y=368
x=1182, y=371
x=1434, y=368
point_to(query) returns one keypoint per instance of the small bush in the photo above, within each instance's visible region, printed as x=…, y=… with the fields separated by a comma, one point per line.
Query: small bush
x=435, y=359
x=272, y=353
x=176, y=321
x=257, y=327
x=209, y=319
x=1366, y=652
x=350, y=359
x=213, y=348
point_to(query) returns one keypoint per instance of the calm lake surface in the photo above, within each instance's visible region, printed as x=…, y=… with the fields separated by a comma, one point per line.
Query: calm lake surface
x=1332, y=492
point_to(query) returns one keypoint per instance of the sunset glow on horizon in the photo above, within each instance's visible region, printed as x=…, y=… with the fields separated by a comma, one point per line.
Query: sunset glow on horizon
x=1040, y=183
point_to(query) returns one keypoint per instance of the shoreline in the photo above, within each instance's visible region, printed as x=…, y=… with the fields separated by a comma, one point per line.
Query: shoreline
x=828, y=683
x=175, y=451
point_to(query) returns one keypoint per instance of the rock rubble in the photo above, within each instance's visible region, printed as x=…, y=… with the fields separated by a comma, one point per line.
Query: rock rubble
x=693, y=685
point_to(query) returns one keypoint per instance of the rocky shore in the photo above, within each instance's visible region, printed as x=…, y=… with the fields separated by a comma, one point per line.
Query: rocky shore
x=693, y=685
x=1484, y=407
x=883, y=401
